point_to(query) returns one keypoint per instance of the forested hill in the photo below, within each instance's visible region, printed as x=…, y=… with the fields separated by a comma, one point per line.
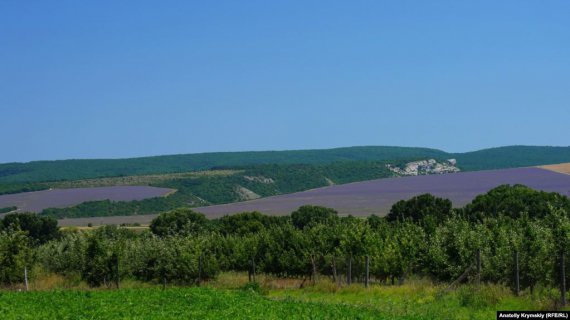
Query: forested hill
x=496, y=158
x=511, y=157
x=84, y=169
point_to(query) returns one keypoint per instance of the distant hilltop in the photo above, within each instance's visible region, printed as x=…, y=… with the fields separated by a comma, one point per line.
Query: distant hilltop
x=423, y=167
x=59, y=170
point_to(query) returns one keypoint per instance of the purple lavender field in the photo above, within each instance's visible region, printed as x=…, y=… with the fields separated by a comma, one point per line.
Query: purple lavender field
x=377, y=196
x=59, y=198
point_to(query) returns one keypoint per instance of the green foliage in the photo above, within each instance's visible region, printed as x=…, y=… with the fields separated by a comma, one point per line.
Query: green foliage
x=281, y=251
x=11, y=188
x=419, y=208
x=174, y=303
x=7, y=209
x=65, y=256
x=421, y=299
x=15, y=255
x=183, y=247
x=514, y=201
x=171, y=259
x=96, y=262
x=246, y=223
x=452, y=248
x=254, y=287
x=495, y=158
x=179, y=222
x=308, y=216
x=39, y=229
x=37, y=171
x=511, y=157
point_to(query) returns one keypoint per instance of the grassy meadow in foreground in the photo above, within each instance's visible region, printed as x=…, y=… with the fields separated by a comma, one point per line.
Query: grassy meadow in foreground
x=177, y=303
x=230, y=297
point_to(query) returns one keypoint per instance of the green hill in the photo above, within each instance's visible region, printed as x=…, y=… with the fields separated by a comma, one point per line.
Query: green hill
x=258, y=174
x=495, y=158
x=84, y=169
x=511, y=157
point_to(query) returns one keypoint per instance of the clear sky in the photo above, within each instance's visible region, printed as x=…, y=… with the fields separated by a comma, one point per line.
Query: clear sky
x=110, y=79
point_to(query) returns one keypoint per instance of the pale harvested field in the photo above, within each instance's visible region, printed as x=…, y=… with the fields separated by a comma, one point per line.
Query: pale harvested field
x=561, y=168
x=142, y=180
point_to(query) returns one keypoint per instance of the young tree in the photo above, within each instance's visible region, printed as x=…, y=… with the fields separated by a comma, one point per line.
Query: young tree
x=40, y=229
x=419, y=208
x=181, y=221
x=513, y=201
x=242, y=223
x=307, y=216
x=15, y=255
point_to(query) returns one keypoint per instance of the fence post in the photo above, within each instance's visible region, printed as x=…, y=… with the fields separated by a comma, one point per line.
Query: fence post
x=517, y=278
x=252, y=270
x=249, y=271
x=478, y=257
x=117, y=279
x=562, y=280
x=26, y=277
x=367, y=279
x=200, y=269
x=253, y=262
x=335, y=277
x=349, y=271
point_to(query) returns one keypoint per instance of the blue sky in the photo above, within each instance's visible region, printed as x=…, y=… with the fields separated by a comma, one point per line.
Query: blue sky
x=111, y=79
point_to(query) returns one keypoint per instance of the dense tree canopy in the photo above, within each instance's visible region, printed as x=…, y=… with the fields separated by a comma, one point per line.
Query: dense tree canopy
x=246, y=223
x=181, y=221
x=39, y=229
x=307, y=216
x=419, y=208
x=514, y=201
x=15, y=255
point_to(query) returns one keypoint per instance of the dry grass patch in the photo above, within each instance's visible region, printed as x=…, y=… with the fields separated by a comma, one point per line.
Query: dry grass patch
x=139, y=180
x=560, y=168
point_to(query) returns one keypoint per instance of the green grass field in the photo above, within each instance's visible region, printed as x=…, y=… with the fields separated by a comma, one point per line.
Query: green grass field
x=180, y=303
x=280, y=299
x=421, y=301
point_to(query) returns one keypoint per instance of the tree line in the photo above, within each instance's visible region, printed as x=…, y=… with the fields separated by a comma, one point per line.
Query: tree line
x=422, y=236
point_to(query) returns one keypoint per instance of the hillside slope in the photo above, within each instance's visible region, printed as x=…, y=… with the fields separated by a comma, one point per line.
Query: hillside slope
x=84, y=169
x=370, y=197
x=511, y=157
x=495, y=158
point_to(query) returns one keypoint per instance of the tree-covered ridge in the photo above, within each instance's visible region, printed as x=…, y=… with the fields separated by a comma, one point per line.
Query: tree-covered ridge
x=511, y=157
x=65, y=170
x=21, y=187
x=37, y=171
x=8, y=209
